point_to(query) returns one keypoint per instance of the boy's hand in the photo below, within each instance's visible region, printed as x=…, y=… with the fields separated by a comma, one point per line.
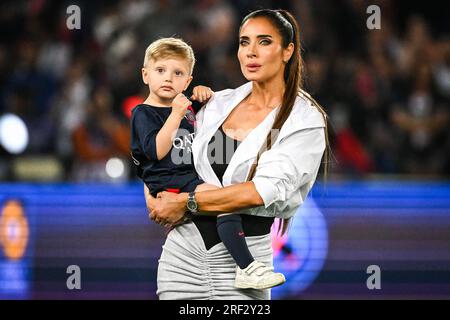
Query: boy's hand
x=202, y=94
x=180, y=105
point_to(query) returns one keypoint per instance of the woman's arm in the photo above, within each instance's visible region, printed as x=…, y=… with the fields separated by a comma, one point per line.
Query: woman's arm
x=282, y=180
x=227, y=199
x=169, y=208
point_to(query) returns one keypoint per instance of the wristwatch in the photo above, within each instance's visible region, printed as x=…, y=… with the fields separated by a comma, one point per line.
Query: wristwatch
x=191, y=203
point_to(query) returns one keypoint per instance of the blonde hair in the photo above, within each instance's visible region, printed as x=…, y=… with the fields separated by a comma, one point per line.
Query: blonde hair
x=170, y=48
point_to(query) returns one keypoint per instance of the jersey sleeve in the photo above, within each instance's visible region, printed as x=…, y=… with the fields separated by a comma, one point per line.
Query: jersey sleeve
x=145, y=128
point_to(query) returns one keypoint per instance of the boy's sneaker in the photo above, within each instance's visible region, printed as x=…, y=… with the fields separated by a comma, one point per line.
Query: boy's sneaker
x=257, y=276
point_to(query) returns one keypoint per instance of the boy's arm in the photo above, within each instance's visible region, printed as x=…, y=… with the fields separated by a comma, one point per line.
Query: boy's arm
x=167, y=133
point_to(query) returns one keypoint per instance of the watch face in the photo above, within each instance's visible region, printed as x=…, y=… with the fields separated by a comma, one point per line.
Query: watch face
x=191, y=205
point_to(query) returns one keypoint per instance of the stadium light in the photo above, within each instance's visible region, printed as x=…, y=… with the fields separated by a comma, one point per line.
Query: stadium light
x=14, y=135
x=115, y=168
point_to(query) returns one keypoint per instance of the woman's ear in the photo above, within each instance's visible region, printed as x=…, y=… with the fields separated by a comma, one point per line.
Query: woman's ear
x=287, y=52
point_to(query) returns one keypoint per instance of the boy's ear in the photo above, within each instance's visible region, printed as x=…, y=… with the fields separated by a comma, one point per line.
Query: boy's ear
x=188, y=83
x=145, y=76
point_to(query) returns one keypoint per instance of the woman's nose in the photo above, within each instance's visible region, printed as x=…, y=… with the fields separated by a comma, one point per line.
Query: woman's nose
x=251, y=51
x=251, y=54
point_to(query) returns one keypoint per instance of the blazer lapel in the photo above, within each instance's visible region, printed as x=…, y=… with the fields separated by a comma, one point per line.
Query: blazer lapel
x=250, y=146
x=215, y=114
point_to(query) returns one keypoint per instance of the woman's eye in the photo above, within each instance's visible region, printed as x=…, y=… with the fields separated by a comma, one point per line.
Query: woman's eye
x=265, y=42
x=243, y=42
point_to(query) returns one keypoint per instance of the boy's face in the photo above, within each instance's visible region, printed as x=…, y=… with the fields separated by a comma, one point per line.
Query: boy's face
x=166, y=78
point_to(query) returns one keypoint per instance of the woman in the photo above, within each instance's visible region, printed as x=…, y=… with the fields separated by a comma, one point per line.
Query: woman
x=279, y=137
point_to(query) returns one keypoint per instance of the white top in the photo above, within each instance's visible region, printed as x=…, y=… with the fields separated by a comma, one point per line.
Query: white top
x=286, y=172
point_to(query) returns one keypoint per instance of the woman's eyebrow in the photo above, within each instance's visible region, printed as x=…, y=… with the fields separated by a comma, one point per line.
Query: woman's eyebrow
x=258, y=36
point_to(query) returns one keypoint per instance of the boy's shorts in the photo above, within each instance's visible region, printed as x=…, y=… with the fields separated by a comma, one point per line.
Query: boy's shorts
x=189, y=187
x=192, y=185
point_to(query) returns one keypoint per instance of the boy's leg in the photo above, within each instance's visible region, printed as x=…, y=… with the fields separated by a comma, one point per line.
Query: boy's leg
x=229, y=227
x=249, y=273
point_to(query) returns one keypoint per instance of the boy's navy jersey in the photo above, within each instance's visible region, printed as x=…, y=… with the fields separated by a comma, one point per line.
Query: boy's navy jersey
x=174, y=171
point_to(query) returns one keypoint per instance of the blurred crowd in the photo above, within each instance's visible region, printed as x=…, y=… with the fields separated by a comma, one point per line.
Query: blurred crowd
x=387, y=91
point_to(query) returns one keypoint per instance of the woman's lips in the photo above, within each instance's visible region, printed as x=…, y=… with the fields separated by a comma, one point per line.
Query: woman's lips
x=253, y=67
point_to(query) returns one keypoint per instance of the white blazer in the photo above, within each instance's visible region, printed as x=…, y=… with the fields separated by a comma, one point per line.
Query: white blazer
x=286, y=172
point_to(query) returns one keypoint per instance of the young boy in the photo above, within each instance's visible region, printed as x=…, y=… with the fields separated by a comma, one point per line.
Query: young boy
x=163, y=158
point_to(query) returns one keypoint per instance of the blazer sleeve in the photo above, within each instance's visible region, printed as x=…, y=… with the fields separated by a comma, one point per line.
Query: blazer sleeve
x=200, y=113
x=289, y=169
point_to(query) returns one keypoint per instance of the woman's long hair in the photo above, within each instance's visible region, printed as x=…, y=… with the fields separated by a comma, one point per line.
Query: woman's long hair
x=288, y=28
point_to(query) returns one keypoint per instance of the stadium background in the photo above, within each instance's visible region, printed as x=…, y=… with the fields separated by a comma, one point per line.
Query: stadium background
x=68, y=194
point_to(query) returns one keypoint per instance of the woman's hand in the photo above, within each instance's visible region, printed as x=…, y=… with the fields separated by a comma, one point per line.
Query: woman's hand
x=149, y=200
x=168, y=208
x=151, y=203
x=202, y=94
